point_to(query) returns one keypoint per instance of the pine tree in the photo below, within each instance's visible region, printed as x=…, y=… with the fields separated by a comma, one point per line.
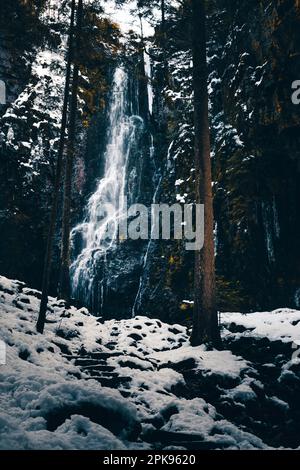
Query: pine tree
x=57, y=184
x=205, y=327
x=64, y=284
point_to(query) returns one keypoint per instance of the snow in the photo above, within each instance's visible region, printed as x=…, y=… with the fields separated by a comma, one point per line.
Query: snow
x=31, y=122
x=45, y=397
x=77, y=433
x=202, y=418
x=181, y=198
x=44, y=382
x=2, y=353
x=281, y=324
x=243, y=392
x=211, y=362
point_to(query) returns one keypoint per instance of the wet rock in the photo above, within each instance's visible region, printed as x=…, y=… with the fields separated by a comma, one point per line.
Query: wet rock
x=135, y=336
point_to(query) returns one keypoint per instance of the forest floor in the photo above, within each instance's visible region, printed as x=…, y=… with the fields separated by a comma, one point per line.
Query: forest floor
x=138, y=384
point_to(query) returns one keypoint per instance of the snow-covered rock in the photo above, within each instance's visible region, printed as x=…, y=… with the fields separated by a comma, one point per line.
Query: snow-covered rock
x=52, y=394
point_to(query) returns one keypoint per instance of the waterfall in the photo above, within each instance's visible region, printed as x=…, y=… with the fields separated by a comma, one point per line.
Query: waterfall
x=108, y=203
x=149, y=81
x=137, y=300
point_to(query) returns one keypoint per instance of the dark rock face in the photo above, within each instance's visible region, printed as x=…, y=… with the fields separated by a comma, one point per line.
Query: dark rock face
x=253, y=60
x=21, y=217
x=256, y=149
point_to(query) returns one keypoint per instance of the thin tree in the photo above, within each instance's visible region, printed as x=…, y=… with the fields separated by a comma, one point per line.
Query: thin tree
x=57, y=183
x=64, y=284
x=205, y=322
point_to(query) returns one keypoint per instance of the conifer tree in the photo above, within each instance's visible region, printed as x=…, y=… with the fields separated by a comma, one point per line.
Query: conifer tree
x=64, y=284
x=57, y=184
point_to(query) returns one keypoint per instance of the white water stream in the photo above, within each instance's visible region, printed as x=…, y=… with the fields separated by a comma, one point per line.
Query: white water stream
x=106, y=206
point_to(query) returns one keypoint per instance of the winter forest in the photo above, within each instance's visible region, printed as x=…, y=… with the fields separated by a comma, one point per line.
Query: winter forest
x=149, y=248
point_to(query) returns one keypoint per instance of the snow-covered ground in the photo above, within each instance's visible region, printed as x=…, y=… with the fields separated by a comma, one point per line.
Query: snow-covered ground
x=165, y=392
x=282, y=324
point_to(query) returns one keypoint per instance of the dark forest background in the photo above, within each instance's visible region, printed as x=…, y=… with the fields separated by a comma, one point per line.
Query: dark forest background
x=254, y=56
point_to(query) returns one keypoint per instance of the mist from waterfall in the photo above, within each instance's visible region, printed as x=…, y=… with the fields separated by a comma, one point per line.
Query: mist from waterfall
x=110, y=192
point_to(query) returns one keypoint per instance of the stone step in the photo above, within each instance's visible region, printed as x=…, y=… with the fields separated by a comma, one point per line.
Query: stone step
x=105, y=355
x=101, y=373
x=89, y=362
x=105, y=375
x=70, y=357
x=93, y=355
x=99, y=368
x=189, y=441
x=111, y=382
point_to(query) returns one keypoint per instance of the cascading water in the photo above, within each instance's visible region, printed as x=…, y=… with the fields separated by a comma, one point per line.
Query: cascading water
x=137, y=300
x=107, y=205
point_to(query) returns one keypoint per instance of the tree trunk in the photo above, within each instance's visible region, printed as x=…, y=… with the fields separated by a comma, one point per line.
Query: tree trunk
x=58, y=176
x=205, y=327
x=65, y=285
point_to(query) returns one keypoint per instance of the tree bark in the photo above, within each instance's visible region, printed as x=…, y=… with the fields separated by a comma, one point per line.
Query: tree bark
x=57, y=183
x=205, y=322
x=64, y=284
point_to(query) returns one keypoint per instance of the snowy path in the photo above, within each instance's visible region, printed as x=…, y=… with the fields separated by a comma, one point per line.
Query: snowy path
x=139, y=384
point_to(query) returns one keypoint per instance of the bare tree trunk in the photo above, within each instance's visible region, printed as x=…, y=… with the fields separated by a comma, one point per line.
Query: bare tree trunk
x=64, y=285
x=58, y=176
x=205, y=327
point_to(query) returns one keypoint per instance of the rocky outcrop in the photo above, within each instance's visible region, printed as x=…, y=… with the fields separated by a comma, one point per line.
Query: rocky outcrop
x=256, y=149
x=253, y=59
